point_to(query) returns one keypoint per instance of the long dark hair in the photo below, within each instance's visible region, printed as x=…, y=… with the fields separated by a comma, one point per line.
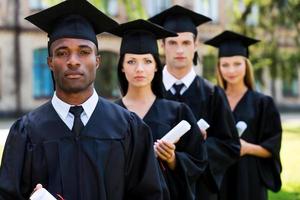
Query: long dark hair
x=156, y=84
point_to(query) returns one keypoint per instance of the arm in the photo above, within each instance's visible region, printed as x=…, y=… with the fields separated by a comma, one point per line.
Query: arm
x=254, y=150
x=142, y=176
x=11, y=172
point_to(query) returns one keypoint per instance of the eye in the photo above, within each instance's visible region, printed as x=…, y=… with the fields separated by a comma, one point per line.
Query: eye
x=237, y=64
x=85, y=52
x=224, y=65
x=171, y=42
x=148, y=61
x=186, y=43
x=131, y=62
x=61, y=53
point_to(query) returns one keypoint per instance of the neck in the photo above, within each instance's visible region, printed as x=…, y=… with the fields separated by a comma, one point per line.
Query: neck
x=144, y=94
x=236, y=88
x=179, y=72
x=75, y=98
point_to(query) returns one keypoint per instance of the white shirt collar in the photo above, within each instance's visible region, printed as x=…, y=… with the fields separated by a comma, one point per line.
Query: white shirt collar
x=62, y=108
x=169, y=79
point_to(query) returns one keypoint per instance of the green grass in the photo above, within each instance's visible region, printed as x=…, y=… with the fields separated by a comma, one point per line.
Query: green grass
x=290, y=158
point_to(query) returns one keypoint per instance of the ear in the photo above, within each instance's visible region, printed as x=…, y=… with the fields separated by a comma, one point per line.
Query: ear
x=162, y=43
x=196, y=44
x=50, y=62
x=98, y=61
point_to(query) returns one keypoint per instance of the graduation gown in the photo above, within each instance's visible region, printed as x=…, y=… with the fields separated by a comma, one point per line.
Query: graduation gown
x=190, y=151
x=250, y=178
x=112, y=158
x=223, y=147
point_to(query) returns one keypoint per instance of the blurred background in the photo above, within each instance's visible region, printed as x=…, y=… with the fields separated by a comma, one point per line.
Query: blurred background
x=25, y=80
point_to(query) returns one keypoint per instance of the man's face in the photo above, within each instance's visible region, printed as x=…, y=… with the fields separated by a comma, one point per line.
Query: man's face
x=180, y=50
x=74, y=63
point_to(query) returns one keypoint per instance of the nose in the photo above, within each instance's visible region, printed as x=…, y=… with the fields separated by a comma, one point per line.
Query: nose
x=73, y=60
x=179, y=49
x=140, y=67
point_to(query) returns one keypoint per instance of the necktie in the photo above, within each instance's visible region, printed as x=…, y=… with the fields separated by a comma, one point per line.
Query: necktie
x=178, y=89
x=77, y=125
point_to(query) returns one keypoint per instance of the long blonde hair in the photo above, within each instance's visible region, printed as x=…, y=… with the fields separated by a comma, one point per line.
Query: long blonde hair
x=248, y=79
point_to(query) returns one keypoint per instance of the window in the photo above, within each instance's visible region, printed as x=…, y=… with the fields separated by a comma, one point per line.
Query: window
x=113, y=7
x=156, y=6
x=42, y=80
x=208, y=8
x=106, y=83
x=290, y=88
x=37, y=4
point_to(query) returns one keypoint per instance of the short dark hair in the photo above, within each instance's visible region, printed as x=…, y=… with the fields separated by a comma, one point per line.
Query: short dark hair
x=156, y=84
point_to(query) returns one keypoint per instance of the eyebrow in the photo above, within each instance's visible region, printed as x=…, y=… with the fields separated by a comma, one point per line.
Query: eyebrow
x=80, y=47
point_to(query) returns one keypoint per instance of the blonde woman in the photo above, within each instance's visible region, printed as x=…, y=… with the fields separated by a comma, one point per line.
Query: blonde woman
x=259, y=166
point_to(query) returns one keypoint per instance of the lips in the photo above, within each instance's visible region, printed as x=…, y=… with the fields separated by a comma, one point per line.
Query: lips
x=73, y=75
x=139, y=77
x=179, y=58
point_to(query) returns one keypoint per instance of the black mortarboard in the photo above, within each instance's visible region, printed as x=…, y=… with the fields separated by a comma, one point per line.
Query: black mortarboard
x=140, y=36
x=231, y=44
x=73, y=19
x=179, y=19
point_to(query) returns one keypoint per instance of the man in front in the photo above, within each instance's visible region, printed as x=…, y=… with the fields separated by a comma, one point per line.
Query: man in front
x=78, y=145
x=205, y=100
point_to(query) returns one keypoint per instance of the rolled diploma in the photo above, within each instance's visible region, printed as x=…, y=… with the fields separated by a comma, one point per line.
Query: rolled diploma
x=202, y=124
x=175, y=133
x=42, y=194
x=241, y=127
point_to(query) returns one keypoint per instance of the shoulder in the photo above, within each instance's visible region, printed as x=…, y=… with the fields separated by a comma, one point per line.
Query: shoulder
x=117, y=113
x=260, y=97
x=114, y=110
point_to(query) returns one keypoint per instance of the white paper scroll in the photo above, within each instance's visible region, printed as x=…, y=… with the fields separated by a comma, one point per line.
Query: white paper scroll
x=42, y=194
x=202, y=124
x=175, y=133
x=241, y=127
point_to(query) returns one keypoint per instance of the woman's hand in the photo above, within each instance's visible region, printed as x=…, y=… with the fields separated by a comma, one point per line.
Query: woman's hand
x=253, y=150
x=204, y=133
x=166, y=152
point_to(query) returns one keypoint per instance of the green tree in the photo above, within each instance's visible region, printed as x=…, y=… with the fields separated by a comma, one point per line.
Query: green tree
x=274, y=16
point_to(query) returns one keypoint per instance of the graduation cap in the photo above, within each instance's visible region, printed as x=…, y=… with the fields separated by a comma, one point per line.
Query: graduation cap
x=231, y=44
x=72, y=19
x=140, y=36
x=179, y=19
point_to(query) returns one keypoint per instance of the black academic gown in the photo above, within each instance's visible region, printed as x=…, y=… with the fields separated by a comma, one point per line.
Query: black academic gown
x=223, y=147
x=251, y=177
x=190, y=151
x=112, y=159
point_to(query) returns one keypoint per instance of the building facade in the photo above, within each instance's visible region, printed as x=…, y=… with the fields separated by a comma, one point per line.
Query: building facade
x=25, y=80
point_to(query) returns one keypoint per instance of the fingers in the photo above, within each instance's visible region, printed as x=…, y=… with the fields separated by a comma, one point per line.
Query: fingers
x=204, y=133
x=164, y=150
x=37, y=187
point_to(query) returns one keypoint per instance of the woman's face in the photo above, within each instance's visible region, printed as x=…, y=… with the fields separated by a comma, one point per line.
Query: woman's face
x=233, y=69
x=139, y=69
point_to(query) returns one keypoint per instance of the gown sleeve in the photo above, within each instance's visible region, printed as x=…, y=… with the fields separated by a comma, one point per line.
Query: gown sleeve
x=191, y=158
x=223, y=146
x=12, y=185
x=142, y=177
x=270, y=133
